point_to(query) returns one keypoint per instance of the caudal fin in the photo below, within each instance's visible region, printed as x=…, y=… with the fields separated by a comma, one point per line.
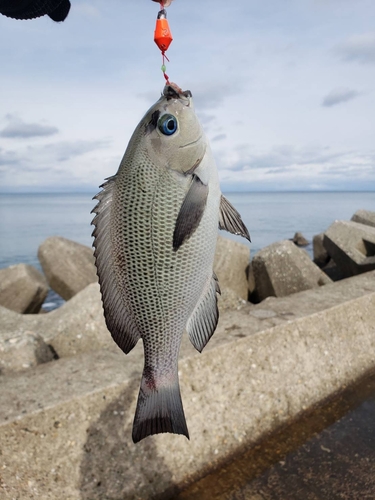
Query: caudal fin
x=159, y=410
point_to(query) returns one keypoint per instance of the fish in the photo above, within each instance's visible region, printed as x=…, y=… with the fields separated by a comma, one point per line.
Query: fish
x=156, y=227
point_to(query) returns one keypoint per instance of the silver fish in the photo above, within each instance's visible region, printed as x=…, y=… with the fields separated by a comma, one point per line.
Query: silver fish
x=155, y=236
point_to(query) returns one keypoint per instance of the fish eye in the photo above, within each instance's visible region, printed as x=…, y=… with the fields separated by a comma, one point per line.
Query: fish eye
x=167, y=124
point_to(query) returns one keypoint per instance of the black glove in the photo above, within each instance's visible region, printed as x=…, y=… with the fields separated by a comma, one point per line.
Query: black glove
x=30, y=9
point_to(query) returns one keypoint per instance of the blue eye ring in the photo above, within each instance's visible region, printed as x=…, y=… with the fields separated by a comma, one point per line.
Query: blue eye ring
x=167, y=124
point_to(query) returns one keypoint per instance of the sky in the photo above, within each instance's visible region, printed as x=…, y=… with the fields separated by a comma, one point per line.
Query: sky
x=284, y=90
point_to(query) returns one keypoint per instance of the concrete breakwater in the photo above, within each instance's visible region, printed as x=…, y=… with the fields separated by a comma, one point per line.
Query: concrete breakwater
x=66, y=415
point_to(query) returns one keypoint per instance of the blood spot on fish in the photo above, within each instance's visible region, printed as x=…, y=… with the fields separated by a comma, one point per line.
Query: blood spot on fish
x=149, y=378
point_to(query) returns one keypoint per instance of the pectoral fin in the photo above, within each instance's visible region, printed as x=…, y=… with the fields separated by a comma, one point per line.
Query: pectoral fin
x=191, y=212
x=230, y=219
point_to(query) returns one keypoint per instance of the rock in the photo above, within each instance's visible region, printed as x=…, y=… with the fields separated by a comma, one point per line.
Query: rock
x=68, y=266
x=364, y=217
x=300, y=240
x=332, y=271
x=352, y=246
x=230, y=266
x=65, y=427
x=77, y=326
x=321, y=256
x=281, y=269
x=22, y=351
x=22, y=288
x=229, y=300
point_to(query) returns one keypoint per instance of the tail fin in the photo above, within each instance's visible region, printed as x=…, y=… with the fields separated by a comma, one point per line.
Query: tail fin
x=159, y=409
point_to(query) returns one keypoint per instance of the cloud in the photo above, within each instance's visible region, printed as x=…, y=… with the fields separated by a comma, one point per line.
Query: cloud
x=209, y=95
x=66, y=150
x=39, y=158
x=360, y=48
x=18, y=129
x=339, y=95
x=8, y=158
x=219, y=137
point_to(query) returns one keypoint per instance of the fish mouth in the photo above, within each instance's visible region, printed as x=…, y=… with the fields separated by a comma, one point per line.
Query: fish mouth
x=191, y=143
x=173, y=91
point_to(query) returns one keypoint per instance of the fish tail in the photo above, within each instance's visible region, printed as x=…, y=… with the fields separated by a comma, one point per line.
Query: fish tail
x=159, y=409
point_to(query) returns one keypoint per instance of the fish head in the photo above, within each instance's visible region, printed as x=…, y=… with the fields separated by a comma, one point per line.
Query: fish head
x=173, y=134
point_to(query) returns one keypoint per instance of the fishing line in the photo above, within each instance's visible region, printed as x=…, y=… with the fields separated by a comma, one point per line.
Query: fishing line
x=163, y=36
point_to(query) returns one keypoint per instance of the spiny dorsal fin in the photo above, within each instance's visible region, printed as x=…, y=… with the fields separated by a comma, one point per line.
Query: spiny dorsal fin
x=202, y=323
x=118, y=319
x=191, y=212
x=230, y=219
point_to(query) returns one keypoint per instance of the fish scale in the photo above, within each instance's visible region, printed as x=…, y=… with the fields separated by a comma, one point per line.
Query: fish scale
x=155, y=234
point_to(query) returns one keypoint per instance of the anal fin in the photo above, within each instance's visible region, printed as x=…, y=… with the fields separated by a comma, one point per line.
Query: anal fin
x=230, y=219
x=203, y=321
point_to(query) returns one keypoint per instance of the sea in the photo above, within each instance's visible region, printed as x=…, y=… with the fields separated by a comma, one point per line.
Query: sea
x=26, y=220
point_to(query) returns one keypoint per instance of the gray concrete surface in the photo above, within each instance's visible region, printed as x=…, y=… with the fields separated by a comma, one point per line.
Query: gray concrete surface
x=282, y=268
x=69, y=266
x=65, y=427
x=22, y=288
x=230, y=265
x=352, y=246
x=364, y=217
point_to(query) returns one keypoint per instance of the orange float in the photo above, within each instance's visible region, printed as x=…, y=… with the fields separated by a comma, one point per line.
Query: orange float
x=162, y=35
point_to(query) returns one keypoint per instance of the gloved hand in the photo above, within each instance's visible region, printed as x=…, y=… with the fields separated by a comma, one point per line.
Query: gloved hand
x=57, y=10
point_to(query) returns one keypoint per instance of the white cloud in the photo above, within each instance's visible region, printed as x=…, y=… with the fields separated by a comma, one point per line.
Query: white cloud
x=359, y=48
x=18, y=129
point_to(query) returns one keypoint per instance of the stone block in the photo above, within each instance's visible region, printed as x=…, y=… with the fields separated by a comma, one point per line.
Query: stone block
x=230, y=265
x=321, y=256
x=282, y=268
x=22, y=288
x=22, y=351
x=65, y=427
x=364, y=217
x=68, y=266
x=352, y=246
x=77, y=326
x=300, y=240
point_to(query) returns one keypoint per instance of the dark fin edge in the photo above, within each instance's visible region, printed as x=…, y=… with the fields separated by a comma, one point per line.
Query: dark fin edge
x=119, y=323
x=191, y=212
x=230, y=219
x=203, y=322
x=159, y=410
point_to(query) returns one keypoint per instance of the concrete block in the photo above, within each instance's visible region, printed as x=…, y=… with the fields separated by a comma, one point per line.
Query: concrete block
x=282, y=268
x=65, y=428
x=321, y=256
x=300, y=240
x=77, y=326
x=364, y=217
x=68, y=266
x=20, y=352
x=352, y=246
x=22, y=288
x=230, y=266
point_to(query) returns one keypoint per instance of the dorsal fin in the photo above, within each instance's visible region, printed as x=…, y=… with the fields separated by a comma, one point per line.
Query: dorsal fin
x=118, y=318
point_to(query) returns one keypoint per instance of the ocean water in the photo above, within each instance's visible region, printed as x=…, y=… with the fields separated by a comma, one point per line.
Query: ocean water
x=26, y=220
